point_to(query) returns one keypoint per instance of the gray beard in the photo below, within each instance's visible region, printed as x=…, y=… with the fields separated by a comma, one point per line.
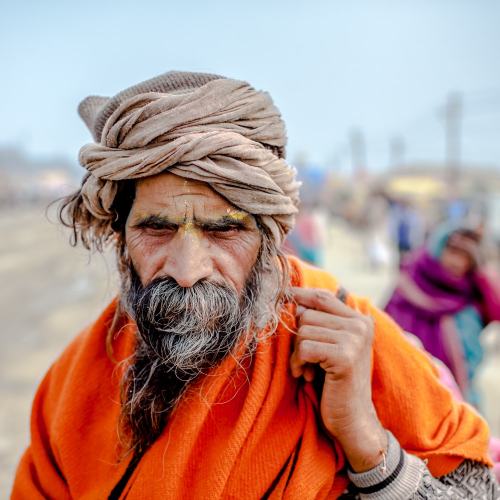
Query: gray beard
x=182, y=333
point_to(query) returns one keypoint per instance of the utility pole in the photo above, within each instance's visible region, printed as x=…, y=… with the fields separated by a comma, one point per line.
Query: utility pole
x=358, y=153
x=453, y=114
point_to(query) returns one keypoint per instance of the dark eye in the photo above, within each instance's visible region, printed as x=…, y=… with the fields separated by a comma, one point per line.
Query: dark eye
x=227, y=229
x=224, y=230
x=159, y=229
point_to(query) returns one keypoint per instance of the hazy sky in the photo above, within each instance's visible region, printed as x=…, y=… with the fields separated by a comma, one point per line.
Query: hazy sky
x=383, y=66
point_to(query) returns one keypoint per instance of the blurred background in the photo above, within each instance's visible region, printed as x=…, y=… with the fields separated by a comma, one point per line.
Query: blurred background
x=393, y=116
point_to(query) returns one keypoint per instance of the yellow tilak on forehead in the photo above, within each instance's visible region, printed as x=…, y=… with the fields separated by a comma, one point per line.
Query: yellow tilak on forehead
x=237, y=214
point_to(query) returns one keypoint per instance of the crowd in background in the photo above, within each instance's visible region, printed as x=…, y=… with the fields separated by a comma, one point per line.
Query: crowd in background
x=445, y=252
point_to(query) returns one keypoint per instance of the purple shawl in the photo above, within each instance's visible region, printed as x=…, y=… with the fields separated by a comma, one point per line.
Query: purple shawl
x=425, y=295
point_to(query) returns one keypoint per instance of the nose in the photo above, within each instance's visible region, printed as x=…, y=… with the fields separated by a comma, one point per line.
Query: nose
x=189, y=260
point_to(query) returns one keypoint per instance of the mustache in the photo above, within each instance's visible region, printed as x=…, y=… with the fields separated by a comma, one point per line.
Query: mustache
x=162, y=303
x=185, y=328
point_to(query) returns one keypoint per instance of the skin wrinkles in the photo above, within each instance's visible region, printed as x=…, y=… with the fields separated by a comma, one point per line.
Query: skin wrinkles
x=183, y=229
x=331, y=336
x=194, y=280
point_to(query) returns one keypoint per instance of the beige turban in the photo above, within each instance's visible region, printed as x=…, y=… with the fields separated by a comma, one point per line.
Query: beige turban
x=198, y=126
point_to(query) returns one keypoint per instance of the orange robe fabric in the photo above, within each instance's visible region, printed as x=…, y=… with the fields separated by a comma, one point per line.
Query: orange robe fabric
x=246, y=431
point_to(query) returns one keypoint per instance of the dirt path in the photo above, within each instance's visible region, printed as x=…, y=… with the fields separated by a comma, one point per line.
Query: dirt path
x=49, y=291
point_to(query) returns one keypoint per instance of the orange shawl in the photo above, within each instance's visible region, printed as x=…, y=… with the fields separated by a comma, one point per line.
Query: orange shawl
x=241, y=432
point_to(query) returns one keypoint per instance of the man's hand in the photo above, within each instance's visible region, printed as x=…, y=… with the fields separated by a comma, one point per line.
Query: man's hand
x=339, y=340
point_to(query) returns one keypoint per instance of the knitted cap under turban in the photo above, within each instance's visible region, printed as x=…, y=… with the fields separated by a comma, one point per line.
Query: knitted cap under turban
x=198, y=126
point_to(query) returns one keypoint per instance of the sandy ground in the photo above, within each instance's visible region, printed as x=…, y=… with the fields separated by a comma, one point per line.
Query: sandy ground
x=49, y=291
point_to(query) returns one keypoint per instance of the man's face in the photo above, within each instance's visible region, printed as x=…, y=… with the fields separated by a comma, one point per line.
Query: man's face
x=191, y=285
x=182, y=229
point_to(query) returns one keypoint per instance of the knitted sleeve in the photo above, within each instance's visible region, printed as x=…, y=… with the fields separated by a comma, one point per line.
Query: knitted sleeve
x=405, y=476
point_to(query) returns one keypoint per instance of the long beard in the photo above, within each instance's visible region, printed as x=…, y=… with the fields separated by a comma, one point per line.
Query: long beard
x=182, y=334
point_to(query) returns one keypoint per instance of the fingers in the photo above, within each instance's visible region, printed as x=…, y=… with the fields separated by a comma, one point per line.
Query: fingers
x=311, y=352
x=337, y=359
x=325, y=320
x=309, y=372
x=319, y=325
x=300, y=366
x=319, y=333
x=327, y=327
x=321, y=300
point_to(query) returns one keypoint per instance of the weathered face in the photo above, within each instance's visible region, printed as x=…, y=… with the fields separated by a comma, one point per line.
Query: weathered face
x=182, y=229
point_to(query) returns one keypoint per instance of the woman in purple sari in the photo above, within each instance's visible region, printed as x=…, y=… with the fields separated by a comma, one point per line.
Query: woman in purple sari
x=445, y=299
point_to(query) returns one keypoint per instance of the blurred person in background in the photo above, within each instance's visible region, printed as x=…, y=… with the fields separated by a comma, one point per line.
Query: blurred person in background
x=457, y=210
x=224, y=368
x=406, y=227
x=376, y=230
x=445, y=297
x=308, y=238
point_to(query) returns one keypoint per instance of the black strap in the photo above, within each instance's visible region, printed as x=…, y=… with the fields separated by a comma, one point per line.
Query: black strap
x=388, y=480
x=122, y=483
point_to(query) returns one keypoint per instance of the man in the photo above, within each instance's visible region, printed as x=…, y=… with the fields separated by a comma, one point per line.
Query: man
x=225, y=369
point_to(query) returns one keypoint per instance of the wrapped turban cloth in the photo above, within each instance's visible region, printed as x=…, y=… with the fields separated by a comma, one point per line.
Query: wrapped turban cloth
x=198, y=126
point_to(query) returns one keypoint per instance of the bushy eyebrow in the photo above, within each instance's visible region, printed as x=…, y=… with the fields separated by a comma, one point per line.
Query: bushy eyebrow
x=163, y=222
x=153, y=220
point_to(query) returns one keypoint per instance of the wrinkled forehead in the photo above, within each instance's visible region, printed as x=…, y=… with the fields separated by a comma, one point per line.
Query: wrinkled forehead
x=170, y=195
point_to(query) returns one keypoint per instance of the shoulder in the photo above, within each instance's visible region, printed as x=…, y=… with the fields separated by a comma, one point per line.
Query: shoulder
x=83, y=366
x=308, y=276
x=77, y=400
x=89, y=346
